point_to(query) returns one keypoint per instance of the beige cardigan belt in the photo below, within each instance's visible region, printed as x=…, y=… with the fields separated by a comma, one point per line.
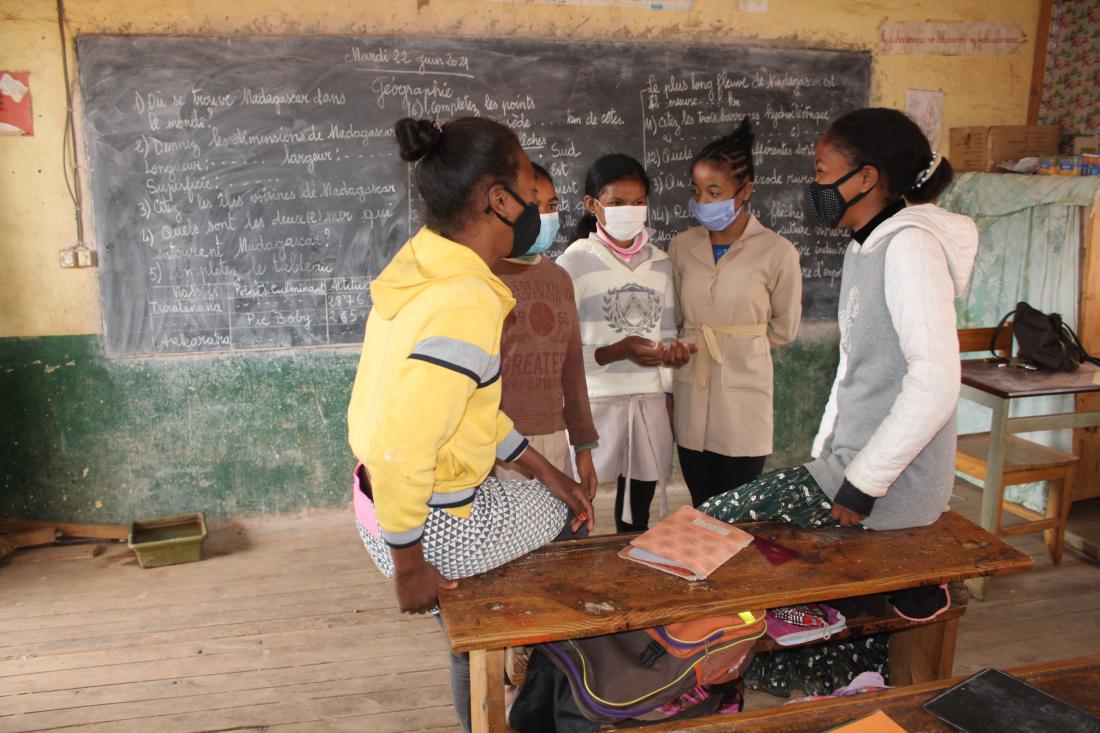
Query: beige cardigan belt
x=708, y=345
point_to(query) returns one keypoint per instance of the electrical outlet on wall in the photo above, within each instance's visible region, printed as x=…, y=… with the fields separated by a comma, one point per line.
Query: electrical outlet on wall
x=78, y=256
x=85, y=257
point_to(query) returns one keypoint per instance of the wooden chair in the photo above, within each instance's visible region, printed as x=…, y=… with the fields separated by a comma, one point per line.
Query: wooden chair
x=1025, y=461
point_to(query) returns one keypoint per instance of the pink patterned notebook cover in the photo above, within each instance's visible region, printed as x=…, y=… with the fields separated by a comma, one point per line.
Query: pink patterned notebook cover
x=688, y=544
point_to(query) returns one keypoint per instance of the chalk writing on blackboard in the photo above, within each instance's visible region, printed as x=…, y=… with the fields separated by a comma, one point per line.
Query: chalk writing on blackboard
x=247, y=190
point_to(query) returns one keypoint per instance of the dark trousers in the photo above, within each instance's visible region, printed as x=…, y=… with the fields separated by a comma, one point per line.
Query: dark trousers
x=709, y=474
x=641, y=496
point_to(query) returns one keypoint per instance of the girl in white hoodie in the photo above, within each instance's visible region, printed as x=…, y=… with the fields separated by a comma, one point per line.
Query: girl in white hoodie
x=884, y=456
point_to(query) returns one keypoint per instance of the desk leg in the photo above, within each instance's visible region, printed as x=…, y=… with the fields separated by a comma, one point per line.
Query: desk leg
x=991, y=489
x=1059, y=500
x=487, y=691
x=923, y=653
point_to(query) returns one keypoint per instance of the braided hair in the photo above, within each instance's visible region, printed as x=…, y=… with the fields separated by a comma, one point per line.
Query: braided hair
x=733, y=152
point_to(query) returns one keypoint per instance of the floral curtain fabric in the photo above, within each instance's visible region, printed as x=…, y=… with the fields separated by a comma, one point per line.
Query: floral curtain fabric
x=1029, y=249
x=1071, y=75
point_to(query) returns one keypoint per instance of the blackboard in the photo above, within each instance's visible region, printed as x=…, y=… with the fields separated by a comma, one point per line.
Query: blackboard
x=246, y=190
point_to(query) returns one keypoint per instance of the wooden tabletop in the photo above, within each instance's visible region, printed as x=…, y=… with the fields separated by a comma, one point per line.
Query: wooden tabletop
x=1074, y=682
x=569, y=590
x=1010, y=382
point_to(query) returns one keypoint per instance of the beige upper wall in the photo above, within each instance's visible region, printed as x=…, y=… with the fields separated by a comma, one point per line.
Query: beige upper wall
x=38, y=298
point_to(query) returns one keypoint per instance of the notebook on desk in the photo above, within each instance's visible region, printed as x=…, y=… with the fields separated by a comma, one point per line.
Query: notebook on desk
x=687, y=544
x=994, y=702
x=876, y=722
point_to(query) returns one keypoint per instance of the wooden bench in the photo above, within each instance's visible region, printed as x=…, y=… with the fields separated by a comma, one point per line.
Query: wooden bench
x=569, y=590
x=1075, y=682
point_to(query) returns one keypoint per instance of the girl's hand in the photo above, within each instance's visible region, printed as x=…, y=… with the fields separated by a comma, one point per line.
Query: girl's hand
x=587, y=471
x=678, y=352
x=642, y=351
x=850, y=505
x=418, y=582
x=564, y=488
x=846, y=516
x=573, y=496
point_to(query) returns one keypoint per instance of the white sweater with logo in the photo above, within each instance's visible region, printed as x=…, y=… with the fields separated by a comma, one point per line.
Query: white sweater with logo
x=613, y=302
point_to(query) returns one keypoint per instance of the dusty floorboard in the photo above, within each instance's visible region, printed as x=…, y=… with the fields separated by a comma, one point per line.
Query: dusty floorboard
x=286, y=626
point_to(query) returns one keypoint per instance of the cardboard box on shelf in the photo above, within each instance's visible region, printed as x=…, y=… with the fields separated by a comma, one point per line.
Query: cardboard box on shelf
x=1069, y=165
x=1090, y=164
x=981, y=148
x=1086, y=144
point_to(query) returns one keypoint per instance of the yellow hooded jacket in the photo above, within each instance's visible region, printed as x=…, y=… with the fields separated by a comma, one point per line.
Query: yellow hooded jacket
x=425, y=414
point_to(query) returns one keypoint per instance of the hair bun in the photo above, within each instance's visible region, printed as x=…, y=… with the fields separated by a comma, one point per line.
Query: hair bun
x=416, y=138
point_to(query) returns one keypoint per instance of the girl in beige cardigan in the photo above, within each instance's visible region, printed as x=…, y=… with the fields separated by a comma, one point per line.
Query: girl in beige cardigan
x=739, y=293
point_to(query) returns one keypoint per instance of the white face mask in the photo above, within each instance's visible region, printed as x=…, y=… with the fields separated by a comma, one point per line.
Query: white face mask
x=624, y=222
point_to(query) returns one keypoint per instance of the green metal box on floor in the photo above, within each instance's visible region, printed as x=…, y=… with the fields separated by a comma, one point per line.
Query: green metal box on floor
x=168, y=540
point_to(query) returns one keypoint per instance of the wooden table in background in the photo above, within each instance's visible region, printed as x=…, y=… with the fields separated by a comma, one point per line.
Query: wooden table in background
x=995, y=387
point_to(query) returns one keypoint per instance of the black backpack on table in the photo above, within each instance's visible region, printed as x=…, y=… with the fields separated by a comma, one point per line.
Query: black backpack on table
x=1045, y=341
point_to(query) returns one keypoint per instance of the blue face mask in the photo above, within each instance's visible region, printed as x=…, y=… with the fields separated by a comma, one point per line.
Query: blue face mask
x=548, y=230
x=716, y=215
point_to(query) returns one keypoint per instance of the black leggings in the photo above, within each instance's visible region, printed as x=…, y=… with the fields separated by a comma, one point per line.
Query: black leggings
x=709, y=474
x=641, y=496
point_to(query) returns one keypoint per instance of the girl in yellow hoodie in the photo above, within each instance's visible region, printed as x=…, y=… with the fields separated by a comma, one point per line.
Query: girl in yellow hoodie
x=425, y=419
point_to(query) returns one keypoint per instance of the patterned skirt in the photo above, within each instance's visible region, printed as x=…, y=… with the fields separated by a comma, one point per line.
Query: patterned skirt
x=789, y=495
x=792, y=495
x=508, y=519
x=819, y=669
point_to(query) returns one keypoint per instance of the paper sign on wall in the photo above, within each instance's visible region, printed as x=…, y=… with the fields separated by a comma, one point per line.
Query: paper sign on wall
x=926, y=109
x=16, y=117
x=949, y=38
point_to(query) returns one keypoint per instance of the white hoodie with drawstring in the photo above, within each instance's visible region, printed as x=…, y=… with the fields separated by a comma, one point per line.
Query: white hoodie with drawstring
x=927, y=266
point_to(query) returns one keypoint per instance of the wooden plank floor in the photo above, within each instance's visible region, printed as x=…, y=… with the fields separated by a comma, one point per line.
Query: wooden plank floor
x=286, y=626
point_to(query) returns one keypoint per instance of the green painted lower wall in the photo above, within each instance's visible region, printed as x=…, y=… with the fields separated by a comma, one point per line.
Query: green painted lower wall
x=88, y=438
x=804, y=373
x=85, y=438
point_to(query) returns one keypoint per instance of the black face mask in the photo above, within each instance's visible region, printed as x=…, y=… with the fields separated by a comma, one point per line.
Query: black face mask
x=826, y=201
x=525, y=229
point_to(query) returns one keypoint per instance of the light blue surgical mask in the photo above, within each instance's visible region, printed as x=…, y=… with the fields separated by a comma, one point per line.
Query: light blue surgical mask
x=548, y=230
x=716, y=215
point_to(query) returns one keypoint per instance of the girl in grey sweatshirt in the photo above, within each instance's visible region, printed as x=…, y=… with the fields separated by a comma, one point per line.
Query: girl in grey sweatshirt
x=884, y=456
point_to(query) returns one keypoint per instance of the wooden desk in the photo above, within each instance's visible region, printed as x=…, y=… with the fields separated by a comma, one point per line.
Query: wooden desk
x=1008, y=383
x=1075, y=682
x=996, y=387
x=575, y=589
